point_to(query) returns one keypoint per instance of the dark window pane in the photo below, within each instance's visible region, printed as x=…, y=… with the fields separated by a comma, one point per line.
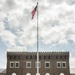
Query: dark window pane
x=12, y=64
x=64, y=65
x=56, y=57
x=47, y=64
x=18, y=57
x=10, y=56
x=31, y=57
x=44, y=57
x=60, y=57
x=17, y=64
x=35, y=57
x=14, y=57
x=39, y=57
x=49, y=57
x=65, y=56
x=26, y=57
x=58, y=64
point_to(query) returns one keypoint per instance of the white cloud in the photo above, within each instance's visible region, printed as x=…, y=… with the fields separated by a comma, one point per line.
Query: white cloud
x=58, y=24
x=56, y=21
x=1, y=27
x=17, y=49
x=8, y=37
x=28, y=38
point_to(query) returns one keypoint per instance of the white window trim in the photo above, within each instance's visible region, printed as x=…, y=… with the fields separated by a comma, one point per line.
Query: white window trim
x=47, y=62
x=10, y=64
x=65, y=64
x=27, y=63
x=60, y=64
x=15, y=64
x=36, y=64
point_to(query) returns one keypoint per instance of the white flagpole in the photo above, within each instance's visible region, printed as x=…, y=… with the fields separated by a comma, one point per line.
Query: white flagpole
x=37, y=44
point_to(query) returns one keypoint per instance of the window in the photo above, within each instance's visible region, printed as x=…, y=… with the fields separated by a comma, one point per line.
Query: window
x=60, y=57
x=28, y=74
x=65, y=56
x=11, y=64
x=44, y=57
x=28, y=64
x=18, y=57
x=37, y=73
x=58, y=64
x=31, y=57
x=63, y=64
x=35, y=57
x=16, y=64
x=56, y=57
x=37, y=64
x=47, y=64
x=10, y=57
x=40, y=57
x=13, y=73
x=62, y=74
x=26, y=57
x=49, y=57
x=14, y=57
x=47, y=74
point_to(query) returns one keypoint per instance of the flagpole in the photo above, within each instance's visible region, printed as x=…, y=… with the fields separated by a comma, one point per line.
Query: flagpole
x=37, y=44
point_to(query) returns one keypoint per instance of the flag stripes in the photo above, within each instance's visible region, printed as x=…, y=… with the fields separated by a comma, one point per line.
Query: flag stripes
x=34, y=11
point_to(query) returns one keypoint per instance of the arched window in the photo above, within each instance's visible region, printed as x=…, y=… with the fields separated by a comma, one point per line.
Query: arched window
x=38, y=74
x=13, y=73
x=28, y=74
x=62, y=74
x=47, y=74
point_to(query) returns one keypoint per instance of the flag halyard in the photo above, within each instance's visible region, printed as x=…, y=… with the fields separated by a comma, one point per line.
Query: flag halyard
x=34, y=11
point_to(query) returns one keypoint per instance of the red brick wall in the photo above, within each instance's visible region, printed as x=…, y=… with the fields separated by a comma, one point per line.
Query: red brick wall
x=53, y=70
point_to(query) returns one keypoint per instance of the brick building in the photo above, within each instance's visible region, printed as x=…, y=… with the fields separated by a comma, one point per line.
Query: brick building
x=50, y=63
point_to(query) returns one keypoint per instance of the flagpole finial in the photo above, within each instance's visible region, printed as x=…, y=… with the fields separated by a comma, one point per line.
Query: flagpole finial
x=37, y=2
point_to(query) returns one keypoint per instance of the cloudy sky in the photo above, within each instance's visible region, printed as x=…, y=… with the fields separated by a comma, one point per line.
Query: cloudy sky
x=56, y=22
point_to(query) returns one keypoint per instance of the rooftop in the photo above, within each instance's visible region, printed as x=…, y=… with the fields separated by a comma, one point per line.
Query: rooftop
x=59, y=53
x=72, y=70
x=3, y=71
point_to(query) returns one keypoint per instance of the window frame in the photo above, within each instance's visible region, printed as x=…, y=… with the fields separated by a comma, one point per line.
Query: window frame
x=38, y=63
x=15, y=64
x=47, y=62
x=10, y=64
x=57, y=64
x=65, y=64
x=27, y=63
